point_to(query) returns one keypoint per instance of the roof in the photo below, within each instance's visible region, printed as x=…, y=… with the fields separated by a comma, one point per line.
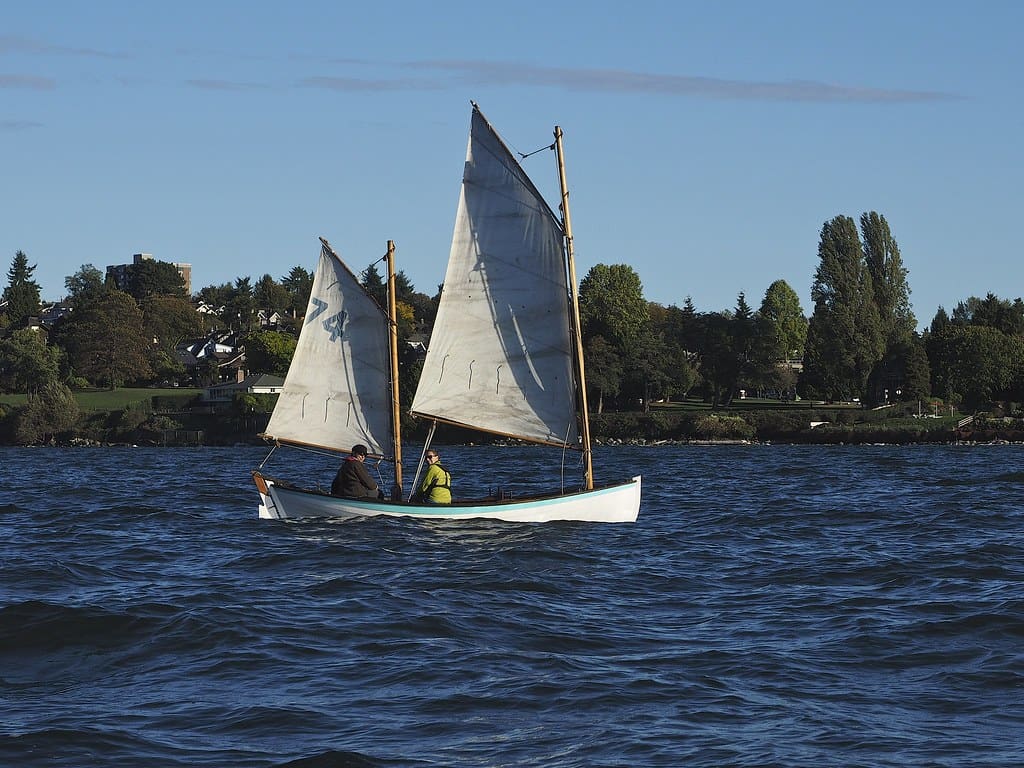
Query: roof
x=254, y=381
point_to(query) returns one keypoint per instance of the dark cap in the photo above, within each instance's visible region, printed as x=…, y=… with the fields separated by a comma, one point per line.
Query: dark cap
x=359, y=450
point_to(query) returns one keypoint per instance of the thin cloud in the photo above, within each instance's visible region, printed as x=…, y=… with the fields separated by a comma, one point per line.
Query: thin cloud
x=357, y=84
x=19, y=125
x=9, y=44
x=624, y=81
x=224, y=85
x=31, y=82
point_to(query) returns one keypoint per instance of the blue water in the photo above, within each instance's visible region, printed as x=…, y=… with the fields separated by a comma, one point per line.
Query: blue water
x=773, y=606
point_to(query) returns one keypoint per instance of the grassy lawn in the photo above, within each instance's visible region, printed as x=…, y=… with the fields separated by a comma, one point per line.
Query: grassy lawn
x=107, y=400
x=753, y=404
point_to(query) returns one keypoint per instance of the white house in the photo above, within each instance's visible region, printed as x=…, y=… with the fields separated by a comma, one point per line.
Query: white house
x=257, y=384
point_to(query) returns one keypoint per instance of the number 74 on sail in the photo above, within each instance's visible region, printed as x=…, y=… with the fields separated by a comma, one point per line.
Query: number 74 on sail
x=505, y=357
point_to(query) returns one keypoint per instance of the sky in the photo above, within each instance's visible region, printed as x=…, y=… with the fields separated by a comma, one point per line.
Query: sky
x=706, y=143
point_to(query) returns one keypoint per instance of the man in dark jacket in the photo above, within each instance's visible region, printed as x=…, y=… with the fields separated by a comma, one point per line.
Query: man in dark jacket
x=353, y=480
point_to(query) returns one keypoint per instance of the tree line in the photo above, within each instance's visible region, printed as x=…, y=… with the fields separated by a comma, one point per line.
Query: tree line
x=859, y=342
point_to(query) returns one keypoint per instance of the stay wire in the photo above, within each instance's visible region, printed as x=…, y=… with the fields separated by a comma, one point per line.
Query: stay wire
x=529, y=154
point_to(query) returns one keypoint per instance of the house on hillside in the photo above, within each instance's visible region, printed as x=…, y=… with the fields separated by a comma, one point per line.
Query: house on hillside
x=256, y=384
x=269, y=320
x=51, y=313
x=215, y=358
x=208, y=309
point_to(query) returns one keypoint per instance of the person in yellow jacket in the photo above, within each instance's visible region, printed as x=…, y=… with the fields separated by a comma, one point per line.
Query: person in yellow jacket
x=436, y=487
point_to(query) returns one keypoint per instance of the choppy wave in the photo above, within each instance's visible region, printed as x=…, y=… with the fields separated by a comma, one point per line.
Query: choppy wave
x=774, y=605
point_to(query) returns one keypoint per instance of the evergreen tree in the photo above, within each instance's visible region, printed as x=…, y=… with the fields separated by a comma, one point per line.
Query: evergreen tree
x=240, y=310
x=22, y=292
x=940, y=322
x=719, y=364
x=744, y=340
x=689, y=332
x=991, y=312
x=888, y=279
x=298, y=283
x=270, y=295
x=374, y=285
x=743, y=328
x=404, y=289
x=677, y=362
x=217, y=296
x=916, y=370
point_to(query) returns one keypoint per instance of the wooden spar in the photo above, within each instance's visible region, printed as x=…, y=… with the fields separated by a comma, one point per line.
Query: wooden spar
x=573, y=292
x=396, y=418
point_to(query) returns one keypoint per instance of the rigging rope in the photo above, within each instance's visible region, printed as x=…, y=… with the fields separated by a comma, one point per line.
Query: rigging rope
x=528, y=154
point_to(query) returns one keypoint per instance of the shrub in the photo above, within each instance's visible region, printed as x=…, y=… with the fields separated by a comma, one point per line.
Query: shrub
x=773, y=425
x=132, y=416
x=716, y=427
x=174, y=402
x=254, y=403
x=49, y=413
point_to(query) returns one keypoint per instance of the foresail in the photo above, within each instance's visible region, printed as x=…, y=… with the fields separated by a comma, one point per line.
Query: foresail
x=500, y=357
x=336, y=393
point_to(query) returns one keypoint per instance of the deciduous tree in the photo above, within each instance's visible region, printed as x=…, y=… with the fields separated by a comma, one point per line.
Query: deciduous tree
x=604, y=371
x=27, y=364
x=105, y=340
x=783, y=326
x=646, y=361
x=269, y=352
x=170, y=320
x=150, y=277
x=844, y=337
x=612, y=305
x=888, y=279
x=974, y=364
x=87, y=283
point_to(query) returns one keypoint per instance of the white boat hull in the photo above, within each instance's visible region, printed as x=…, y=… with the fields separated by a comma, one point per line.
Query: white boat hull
x=613, y=504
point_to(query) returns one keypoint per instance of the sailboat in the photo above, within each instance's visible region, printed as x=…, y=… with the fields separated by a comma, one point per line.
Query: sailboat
x=505, y=357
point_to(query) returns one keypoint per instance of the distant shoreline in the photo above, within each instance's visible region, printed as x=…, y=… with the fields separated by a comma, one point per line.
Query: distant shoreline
x=617, y=443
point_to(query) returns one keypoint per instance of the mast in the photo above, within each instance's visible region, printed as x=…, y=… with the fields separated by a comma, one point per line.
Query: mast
x=396, y=418
x=588, y=475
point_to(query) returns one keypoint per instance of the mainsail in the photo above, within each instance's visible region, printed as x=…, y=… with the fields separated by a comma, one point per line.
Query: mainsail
x=500, y=355
x=337, y=391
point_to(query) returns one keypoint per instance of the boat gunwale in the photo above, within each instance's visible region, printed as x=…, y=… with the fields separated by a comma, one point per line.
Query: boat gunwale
x=482, y=502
